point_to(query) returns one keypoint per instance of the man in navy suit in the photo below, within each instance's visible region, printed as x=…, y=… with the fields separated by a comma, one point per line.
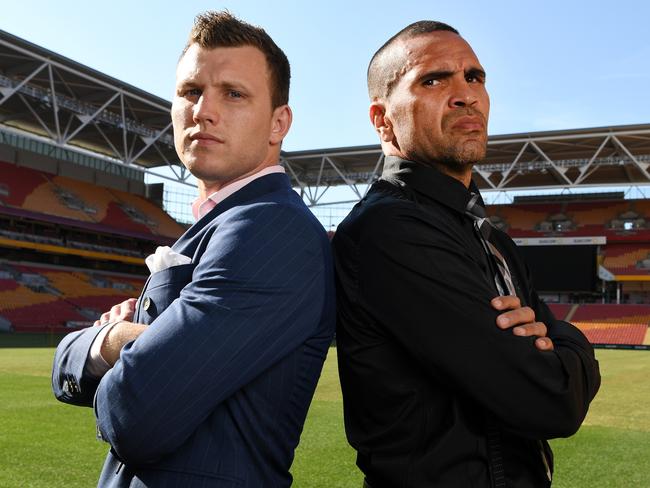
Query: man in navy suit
x=207, y=379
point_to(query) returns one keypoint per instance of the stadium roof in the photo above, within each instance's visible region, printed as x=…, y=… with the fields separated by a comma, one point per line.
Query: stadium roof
x=603, y=156
x=48, y=95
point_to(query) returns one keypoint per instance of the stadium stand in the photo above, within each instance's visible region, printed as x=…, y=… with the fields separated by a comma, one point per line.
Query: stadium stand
x=37, y=298
x=43, y=195
x=627, y=259
x=624, y=259
x=606, y=333
x=620, y=221
x=613, y=313
x=560, y=310
x=613, y=323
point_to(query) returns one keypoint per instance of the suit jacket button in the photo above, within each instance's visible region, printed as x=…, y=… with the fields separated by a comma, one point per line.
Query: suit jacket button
x=146, y=303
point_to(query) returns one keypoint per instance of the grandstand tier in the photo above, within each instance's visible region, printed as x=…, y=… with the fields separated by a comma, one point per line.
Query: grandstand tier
x=621, y=221
x=48, y=196
x=614, y=334
x=37, y=298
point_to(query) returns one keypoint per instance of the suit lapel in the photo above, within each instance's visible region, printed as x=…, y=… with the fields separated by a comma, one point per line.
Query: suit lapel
x=254, y=190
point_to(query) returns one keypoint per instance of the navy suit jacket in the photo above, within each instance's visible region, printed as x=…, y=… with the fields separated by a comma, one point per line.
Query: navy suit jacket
x=215, y=392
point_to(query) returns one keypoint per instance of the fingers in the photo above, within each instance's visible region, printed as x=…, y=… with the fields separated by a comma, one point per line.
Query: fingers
x=522, y=321
x=121, y=311
x=544, y=344
x=511, y=318
x=508, y=302
x=537, y=329
x=530, y=329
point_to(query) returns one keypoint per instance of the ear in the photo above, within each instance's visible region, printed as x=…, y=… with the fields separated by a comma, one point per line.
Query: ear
x=381, y=122
x=280, y=124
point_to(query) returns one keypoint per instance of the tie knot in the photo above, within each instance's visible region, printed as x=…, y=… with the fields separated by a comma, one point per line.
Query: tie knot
x=474, y=209
x=477, y=213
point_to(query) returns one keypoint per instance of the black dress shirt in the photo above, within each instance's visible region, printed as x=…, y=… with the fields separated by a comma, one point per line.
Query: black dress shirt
x=421, y=360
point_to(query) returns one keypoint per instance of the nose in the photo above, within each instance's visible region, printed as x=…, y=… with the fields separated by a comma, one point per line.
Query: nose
x=463, y=95
x=204, y=111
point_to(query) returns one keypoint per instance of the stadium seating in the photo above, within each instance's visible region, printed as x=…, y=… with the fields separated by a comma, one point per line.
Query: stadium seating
x=158, y=221
x=48, y=195
x=627, y=259
x=613, y=324
x=45, y=299
x=619, y=221
x=19, y=183
x=610, y=333
x=615, y=313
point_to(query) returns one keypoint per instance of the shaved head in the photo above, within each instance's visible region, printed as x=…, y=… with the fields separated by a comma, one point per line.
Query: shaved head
x=388, y=64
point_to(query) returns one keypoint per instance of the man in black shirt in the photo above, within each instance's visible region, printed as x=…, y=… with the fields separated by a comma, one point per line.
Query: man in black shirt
x=453, y=372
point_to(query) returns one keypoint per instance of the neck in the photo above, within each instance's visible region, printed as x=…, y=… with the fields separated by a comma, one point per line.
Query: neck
x=207, y=188
x=460, y=172
x=464, y=175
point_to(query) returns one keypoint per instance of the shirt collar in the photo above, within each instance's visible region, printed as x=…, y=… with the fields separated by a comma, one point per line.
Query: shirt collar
x=430, y=182
x=202, y=207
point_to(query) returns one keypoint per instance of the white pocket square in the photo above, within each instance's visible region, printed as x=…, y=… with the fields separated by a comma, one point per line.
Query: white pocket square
x=164, y=258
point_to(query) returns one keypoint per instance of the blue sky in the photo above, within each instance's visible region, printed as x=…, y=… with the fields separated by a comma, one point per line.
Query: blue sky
x=551, y=65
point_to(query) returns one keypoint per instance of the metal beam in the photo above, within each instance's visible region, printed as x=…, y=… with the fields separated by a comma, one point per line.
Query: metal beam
x=344, y=178
x=93, y=79
x=505, y=174
x=36, y=116
x=149, y=142
x=8, y=92
x=55, y=106
x=642, y=166
x=86, y=119
x=584, y=170
x=560, y=171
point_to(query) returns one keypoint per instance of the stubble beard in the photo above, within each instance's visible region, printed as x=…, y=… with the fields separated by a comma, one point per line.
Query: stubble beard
x=455, y=157
x=459, y=157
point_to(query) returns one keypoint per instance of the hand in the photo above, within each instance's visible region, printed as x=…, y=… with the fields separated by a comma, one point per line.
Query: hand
x=121, y=311
x=521, y=320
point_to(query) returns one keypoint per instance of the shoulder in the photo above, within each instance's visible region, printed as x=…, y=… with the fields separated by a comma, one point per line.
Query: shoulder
x=391, y=212
x=278, y=220
x=282, y=211
x=383, y=206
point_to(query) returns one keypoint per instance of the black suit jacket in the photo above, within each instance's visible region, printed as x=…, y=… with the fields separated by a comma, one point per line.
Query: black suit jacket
x=421, y=360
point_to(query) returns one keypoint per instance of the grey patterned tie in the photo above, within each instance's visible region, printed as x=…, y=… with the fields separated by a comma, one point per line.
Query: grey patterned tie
x=505, y=286
x=483, y=226
x=503, y=281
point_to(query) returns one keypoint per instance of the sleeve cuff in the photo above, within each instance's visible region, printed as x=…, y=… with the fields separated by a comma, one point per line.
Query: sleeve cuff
x=96, y=365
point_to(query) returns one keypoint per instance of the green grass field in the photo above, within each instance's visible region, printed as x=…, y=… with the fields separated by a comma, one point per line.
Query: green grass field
x=47, y=444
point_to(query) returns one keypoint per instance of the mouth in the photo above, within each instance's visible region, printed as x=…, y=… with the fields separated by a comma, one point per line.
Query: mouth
x=205, y=139
x=469, y=123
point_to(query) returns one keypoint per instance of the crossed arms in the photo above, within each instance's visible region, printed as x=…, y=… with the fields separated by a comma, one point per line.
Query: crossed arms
x=256, y=294
x=421, y=287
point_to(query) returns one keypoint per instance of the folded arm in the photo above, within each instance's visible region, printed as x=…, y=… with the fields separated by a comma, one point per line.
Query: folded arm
x=440, y=310
x=255, y=296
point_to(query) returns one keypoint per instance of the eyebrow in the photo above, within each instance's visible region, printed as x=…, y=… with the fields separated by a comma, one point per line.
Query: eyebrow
x=191, y=82
x=478, y=72
x=443, y=73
